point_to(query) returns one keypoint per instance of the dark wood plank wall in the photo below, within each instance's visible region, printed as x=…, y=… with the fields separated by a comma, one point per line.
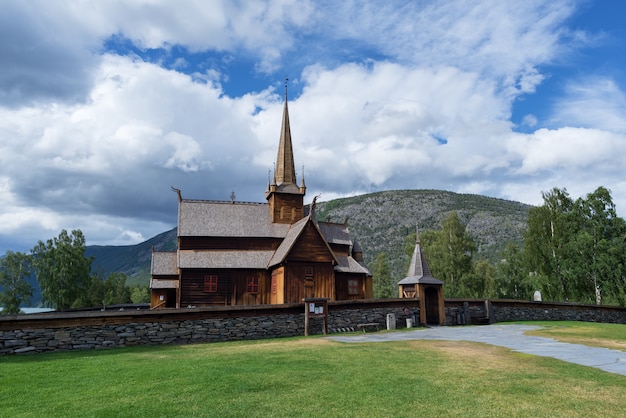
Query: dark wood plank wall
x=228, y=243
x=286, y=208
x=341, y=285
x=340, y=249
x=304, y=279
x=310, y=247
x=231, y=288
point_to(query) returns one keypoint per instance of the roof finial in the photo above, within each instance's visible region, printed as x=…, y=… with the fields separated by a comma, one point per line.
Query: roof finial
x=286, y=82
x=178, y=192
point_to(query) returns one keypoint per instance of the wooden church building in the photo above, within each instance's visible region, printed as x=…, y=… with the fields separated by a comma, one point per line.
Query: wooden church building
x=240, y=253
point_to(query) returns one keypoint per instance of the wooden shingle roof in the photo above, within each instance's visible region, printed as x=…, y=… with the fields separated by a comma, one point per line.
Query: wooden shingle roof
x=348, y=264
x=164, y=263
x=224, y=259
x=335, y=233
x=419, y=272
x=205, y=218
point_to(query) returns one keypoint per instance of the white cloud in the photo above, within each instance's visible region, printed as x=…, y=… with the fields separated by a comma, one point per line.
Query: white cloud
x=393, y=95
x=592, y=102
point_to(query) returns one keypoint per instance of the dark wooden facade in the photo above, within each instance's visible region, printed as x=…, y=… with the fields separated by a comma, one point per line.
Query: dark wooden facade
x=233, y=253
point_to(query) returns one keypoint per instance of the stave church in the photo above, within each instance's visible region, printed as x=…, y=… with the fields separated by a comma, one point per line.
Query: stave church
x=275, y=252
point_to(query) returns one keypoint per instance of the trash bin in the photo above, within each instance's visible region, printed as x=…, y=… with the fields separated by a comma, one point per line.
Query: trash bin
x=409, y=322
x=391, y=321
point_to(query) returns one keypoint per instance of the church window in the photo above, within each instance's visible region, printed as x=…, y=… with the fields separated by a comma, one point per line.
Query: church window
x=210, y=284
x=252, y=285
x=353, y=286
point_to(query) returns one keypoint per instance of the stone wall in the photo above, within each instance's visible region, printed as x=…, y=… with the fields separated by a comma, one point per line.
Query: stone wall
x=39, y=333
x=511, y=310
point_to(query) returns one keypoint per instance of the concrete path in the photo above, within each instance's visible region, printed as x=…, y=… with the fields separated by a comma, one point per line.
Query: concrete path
x=510, y=336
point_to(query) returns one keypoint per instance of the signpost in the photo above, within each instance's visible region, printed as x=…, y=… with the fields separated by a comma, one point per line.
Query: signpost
x=315, y=307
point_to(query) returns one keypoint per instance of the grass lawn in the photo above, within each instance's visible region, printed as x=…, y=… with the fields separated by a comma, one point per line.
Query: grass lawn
x=306, y=376
x=587, y=333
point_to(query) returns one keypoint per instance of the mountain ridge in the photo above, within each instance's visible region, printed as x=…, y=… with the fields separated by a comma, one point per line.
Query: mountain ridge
x=380, y=221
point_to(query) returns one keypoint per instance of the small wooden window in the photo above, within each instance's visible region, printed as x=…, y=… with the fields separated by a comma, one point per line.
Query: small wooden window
x=210, y=284
x=308, y=271
x=252, y=285
x=353, y=286
x=274, y=284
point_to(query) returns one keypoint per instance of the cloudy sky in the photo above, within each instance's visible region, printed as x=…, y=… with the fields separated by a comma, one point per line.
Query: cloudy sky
x=106, y=105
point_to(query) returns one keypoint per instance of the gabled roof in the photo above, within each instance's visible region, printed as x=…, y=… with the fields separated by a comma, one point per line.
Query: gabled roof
x=164, y=263
x=197, y=218
x=419, y=272
x=292, y=237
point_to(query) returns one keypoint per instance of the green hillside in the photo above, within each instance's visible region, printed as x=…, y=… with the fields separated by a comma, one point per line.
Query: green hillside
x=132, y=260
x=380, y=222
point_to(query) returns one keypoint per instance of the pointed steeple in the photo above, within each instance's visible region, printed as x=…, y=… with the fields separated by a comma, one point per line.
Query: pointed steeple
x=285, y=168
x=418, y=267
x=283, y=194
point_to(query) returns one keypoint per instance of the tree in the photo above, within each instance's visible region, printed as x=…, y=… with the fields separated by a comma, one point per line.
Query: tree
x=577, y=249
x=482, y=283
x=139, y=294
x=550, y=228
x=512, y=278
x=384, y=287
x=62, y=270
x=115, y=290
x=596, y=250
x=450, y=252
x=14, y=269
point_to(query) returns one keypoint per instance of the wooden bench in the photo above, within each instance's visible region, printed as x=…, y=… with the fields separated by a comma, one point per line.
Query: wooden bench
x=368, y=325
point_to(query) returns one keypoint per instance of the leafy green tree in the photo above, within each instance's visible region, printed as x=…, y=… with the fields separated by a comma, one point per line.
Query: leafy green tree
x=384, y=287
x=62, y=270
x=482, y=283
x=14, y=269
x=512, y=280
x=550, y=228
x=139, y=294
x=596, y=250
x=576, y=250
x=450, y=251
x=115, y=290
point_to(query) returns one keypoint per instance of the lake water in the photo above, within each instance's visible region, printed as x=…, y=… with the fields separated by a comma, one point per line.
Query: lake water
x=34, y=310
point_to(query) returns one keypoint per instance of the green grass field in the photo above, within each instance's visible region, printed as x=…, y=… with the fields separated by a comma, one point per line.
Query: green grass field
x=611, y=336
x=312, y=376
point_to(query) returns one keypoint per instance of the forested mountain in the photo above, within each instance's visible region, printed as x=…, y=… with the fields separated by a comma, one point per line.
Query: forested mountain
x=132, y=260
x=380, y=222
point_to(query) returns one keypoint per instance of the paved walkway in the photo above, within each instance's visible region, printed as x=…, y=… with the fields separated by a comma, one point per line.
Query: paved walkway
x=509, y=336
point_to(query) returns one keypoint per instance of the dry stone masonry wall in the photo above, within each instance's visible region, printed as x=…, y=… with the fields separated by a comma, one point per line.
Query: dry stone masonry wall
x=25, y=334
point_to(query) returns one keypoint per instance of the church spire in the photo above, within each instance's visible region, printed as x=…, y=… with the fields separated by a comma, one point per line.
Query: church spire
x=285, y=169
x=285, y=198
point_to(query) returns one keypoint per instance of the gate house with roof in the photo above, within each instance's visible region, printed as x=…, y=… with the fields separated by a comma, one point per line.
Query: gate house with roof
x=239, y=253
x=421, y=284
